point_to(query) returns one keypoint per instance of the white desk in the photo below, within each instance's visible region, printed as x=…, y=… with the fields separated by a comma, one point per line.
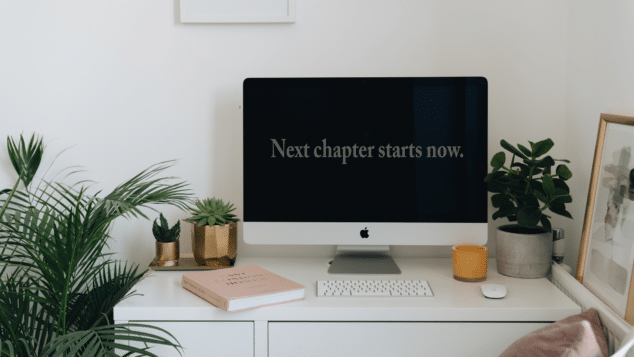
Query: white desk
x=458, y=320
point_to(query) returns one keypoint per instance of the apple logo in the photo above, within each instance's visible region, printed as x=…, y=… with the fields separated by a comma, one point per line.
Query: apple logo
x=364, y=233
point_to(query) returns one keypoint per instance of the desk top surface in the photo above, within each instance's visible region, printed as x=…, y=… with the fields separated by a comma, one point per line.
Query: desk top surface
x=527, y=299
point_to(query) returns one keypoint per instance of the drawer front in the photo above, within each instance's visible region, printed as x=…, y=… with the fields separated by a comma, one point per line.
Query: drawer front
x=394, y=338
x=207, y=338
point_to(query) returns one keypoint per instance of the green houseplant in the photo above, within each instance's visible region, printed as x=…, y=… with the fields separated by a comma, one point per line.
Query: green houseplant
x=526, y=191
x=167, y=242
x=58, y=285
x=215, y=240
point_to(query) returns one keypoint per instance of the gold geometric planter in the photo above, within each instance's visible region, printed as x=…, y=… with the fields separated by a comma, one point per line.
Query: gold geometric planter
x=215, y=246
x=167, y=254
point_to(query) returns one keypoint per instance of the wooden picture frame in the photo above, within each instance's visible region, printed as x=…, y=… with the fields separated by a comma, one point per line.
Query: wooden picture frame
x=606, y=255
x=237, y=11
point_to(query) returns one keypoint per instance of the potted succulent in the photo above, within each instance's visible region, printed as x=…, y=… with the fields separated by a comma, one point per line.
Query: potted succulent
x=215, y=240
x=167, y=242
x=526, y=192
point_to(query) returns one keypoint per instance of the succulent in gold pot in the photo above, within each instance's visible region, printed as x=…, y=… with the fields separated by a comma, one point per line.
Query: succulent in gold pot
x=167, y=243
x=215, y=242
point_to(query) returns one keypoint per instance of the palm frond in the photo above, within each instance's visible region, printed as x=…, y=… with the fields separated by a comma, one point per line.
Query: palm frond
x=103, y=340
x=23, y=323
x=110, y=285
x=58, y=286
x=6, y=202
x=22, y=348
x=142, y=190
x=25, y=160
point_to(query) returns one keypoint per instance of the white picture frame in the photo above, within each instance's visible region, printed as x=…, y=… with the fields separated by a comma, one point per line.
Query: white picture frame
x=237, y=11
x=606, y=257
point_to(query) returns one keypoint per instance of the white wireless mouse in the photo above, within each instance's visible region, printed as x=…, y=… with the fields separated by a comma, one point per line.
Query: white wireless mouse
x=493, y=291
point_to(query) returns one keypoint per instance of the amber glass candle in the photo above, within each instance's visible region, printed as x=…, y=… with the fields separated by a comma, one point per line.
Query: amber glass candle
x=470, y=262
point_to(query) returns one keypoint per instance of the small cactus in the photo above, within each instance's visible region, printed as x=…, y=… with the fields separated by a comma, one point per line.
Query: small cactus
x=163, y=233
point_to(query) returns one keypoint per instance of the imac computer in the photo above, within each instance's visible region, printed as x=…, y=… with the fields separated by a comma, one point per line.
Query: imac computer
x=365, y=163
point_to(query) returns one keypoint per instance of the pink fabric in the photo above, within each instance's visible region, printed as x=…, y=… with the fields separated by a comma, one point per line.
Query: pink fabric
x=575, y=336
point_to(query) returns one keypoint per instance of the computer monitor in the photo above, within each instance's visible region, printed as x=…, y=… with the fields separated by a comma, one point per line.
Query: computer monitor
x=365, y=163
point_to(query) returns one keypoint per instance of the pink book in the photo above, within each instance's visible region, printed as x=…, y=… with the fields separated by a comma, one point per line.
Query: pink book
x=242, y=288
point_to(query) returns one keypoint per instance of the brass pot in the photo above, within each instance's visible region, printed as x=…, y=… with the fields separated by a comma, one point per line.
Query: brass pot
x=215, y=246
x=167, y=254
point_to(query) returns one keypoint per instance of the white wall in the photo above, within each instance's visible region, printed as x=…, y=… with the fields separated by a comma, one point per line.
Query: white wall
x=129, y=85
x=599, y=79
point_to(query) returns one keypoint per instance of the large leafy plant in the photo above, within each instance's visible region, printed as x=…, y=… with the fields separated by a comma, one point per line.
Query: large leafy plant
x=58, y=285
x=527, y=189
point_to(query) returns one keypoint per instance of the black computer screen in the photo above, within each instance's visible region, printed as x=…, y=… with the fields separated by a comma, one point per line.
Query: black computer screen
x=365, y=149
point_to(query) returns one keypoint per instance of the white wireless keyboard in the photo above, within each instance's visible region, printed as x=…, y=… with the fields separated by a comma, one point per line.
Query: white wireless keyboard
x=373, y=288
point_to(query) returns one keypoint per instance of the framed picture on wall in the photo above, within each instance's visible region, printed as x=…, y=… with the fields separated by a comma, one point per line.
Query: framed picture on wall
x=237, y=11
x=606, y=256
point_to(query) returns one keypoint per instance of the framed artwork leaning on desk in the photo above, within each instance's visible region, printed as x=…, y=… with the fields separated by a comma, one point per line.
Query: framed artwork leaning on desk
x=606, y=256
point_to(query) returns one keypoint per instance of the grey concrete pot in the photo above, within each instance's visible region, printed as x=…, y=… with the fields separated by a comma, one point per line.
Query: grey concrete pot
x=523, y=255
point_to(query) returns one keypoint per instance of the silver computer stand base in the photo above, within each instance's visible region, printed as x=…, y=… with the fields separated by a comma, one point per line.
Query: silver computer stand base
x=363, y=260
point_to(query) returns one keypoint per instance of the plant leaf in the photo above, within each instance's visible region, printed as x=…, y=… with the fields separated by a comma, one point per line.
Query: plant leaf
x=528, y=200
x=563, y=199
x=529, y=216
x=563, y=172
x=164, y=224
x=523, y=169
x=500, y=199
x=560, y=209
x=506, y=210
x=545, y=223
x=512, y=149
x=498, y=160
x=540, y=196
x=545, y=162
x=25, y=160
x=524, y=150
x=561, y=184
x=496, y=187
x=494, y=175
x=542, y=147
x=549, y=185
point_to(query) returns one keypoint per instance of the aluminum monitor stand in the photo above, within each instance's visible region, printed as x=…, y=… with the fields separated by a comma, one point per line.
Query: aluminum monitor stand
x=363, y=260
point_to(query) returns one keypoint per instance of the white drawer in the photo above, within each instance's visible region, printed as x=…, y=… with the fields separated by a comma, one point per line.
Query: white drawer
x=207, y=338
x=436, y=339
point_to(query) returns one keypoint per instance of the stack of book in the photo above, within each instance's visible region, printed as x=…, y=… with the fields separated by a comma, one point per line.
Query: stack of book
x=242, y=288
